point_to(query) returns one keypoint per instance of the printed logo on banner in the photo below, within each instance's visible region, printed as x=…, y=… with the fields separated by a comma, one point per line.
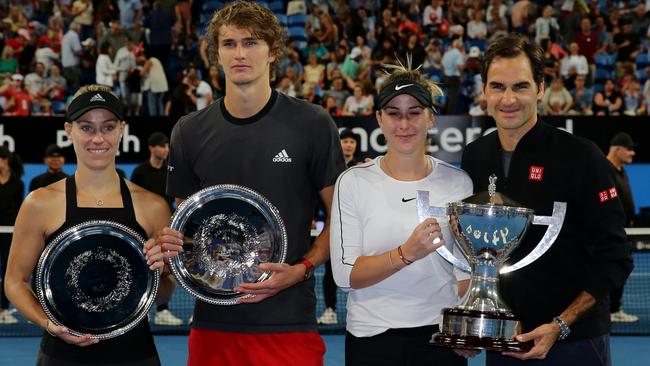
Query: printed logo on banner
x=536, y=173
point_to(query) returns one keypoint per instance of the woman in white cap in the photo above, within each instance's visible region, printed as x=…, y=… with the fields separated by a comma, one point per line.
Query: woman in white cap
x=94, y=192
x=380, y=253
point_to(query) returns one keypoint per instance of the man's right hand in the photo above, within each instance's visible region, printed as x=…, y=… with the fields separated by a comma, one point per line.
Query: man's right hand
x=170, y=241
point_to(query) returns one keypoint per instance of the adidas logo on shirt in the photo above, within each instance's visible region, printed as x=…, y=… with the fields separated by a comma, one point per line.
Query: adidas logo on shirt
x=282, y=157
x=97, y=98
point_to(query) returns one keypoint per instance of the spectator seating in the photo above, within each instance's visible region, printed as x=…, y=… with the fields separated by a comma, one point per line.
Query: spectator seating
x=480, y=43
x=603, y=75
x=297, y=20
x=299, y=34
x=282, y=19
x=276, y=6
x=211, y=6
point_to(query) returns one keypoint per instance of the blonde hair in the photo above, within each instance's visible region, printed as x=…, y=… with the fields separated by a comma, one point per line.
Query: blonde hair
x=93, y=88
x=401, y=72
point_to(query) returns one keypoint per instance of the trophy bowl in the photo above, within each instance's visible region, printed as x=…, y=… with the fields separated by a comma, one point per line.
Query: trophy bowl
x=93, y=278
x=486, y=234
x=487, y=228
x=228, y=231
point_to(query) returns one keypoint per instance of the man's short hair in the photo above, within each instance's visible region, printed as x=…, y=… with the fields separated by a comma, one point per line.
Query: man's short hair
x=53, y=150
x=158, y=139
x=511, y=46
x=257, y=19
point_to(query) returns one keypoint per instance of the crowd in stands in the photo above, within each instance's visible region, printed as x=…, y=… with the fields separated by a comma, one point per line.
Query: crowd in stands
x=154, y=54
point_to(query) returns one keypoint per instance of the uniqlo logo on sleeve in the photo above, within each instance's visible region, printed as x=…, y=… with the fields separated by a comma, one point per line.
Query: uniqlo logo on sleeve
x=536, y=173
x=613, y=193
x=603, y=196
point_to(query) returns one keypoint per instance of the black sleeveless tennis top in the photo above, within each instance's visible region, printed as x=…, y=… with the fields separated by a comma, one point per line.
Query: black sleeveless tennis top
x=135, y=345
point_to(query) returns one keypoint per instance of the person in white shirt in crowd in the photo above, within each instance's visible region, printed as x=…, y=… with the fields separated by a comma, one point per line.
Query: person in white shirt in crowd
x=380, y=253
x=285, y=86
x=35, y=84
x=557, y=101
x=105, y=70
x=545, y=24
x=199, y=91
x=432, y=15
x=479, y=107
x=358, y=104
x=453, y=63
x=501, y=11
x=56, y=89
x=574, y=60
x=154, y=84
x=477, y=28
x=70, y=56
x=125, y=63
x=45, y=54
x=83, y=14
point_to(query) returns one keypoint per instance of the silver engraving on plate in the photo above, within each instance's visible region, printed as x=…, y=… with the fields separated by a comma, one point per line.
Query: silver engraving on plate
x=226, y=245
x=109, y=301
x=57, y=275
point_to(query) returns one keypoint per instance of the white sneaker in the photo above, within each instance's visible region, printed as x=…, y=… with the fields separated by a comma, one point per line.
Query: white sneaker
x=623, y=317
x=328, y=317
x=7, y=318
x=166, y=317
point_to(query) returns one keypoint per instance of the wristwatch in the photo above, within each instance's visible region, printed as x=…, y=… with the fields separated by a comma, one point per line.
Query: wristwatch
x=564, y=328
x=309, y=267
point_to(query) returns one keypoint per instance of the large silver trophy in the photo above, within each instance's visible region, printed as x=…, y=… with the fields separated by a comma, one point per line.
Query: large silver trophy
x=486, y=232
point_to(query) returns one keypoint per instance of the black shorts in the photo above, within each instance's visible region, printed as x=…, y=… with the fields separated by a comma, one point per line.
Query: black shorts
x=395, y=347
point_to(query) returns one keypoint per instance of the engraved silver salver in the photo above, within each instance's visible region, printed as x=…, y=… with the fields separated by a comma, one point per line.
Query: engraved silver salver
x=93, y=278
x=228, y=231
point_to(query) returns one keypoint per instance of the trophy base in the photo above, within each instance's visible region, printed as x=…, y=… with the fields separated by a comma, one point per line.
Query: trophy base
x=486, y=343
x=476, y=329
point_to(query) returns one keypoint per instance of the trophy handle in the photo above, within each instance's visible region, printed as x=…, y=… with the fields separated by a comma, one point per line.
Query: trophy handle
x=424, y=212
x=554, y=224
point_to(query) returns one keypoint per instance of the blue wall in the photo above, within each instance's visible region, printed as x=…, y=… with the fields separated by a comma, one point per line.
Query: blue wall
x=639, y=177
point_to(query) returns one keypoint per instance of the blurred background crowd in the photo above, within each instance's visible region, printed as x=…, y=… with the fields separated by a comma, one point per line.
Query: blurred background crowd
x=154, y=52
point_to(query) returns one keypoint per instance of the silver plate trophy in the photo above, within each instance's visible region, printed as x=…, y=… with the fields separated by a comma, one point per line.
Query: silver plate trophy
x=228, y=231
x=94, y=279
x=486, y=234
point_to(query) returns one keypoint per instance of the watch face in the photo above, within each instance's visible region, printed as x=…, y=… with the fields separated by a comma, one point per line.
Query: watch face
x=228, y=231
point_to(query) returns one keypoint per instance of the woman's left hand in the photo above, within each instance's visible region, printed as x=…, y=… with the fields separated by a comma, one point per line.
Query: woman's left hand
x=154, y=255
x=167, y=244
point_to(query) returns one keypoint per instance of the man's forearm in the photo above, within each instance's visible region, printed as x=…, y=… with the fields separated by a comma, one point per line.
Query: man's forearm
x=320, y=251
x=578, y=307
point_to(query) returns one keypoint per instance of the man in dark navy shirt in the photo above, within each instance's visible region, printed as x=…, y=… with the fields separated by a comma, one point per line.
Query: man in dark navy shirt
x=621, y=152
x=54, y=160
x=562, y=299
